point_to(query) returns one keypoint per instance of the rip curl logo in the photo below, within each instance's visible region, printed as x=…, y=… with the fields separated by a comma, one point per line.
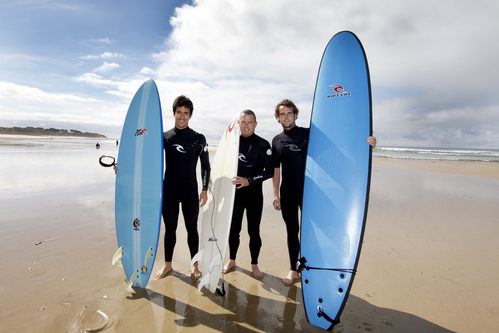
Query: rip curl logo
x=136, y=224
x=179, y=148
x=293, y=147
x=339, y=91
x=242, y=158
x=140, y=131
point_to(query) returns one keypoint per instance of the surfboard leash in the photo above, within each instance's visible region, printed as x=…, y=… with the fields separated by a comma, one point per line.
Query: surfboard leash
x=107, y=165
x=321, y=313
x=219, y=291
x=301, y=265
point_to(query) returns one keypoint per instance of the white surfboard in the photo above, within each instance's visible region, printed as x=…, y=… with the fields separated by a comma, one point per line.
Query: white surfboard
x=217, y=213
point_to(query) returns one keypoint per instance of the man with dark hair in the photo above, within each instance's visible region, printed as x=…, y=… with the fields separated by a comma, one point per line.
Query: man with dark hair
x=183, y=146
x=289, y=149
x=254, y=167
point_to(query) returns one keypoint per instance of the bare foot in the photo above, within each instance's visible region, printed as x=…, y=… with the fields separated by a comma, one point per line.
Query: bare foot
x=164, y=271
x=257, y=274
x=195, y=272
x=230, y=266
x=291, y=278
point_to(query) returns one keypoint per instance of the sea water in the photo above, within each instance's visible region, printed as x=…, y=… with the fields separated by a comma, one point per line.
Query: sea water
x=442, y=154
x=30, y=165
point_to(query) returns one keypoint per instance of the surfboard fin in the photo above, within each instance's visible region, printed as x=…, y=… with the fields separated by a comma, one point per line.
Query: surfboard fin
x=204, y=281
x=197, y=257
x=148, y=256
x=117, y=257
x=133, y=278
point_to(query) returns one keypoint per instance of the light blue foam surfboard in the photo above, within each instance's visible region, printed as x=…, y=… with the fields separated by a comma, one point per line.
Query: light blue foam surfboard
x=139, y=186
x=337, y=180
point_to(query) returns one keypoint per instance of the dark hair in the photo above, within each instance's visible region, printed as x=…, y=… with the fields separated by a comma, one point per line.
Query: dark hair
x=183, y=101
x=249, y=112
x=288, y=103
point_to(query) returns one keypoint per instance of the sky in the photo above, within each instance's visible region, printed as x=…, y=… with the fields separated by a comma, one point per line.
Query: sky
x=434, y=65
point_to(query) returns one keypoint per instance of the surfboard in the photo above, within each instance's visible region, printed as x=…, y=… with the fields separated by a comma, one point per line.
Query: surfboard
x=217, y=213
x=139, y=186
x=337, y=180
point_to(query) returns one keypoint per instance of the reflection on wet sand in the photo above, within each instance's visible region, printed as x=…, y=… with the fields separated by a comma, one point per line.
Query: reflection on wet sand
x=58, y=239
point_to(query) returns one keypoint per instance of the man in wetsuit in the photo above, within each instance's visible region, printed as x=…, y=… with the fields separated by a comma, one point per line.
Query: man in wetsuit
x=183, y=147
x=289, y=149
x=253, y=168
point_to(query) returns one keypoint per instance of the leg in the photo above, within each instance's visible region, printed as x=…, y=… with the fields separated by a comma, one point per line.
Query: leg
x=254, y=217
x=235, y=229
x=289, y=208
x=170, y=218
x=190, y=210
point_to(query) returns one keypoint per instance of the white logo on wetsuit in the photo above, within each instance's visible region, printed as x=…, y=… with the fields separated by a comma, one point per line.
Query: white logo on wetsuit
x=242, y=158
x=293, y=147
x=180, y=149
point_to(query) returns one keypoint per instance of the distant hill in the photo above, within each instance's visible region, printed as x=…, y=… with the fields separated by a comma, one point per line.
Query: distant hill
x=47, y=132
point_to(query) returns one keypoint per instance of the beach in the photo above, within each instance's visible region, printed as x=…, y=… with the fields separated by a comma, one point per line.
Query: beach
x=429, y=260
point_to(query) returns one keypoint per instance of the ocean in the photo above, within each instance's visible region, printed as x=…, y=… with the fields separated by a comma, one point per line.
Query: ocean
x=441, y=154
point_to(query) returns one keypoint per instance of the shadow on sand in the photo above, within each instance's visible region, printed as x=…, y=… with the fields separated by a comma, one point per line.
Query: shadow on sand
x=246, y=311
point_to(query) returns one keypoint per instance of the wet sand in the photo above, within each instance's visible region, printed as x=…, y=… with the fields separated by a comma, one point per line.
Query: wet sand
x=429, y=262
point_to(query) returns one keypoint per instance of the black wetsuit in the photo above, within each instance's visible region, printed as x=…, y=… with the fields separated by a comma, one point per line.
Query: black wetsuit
x=289, y=149
x=254, y=164
x=183, y=147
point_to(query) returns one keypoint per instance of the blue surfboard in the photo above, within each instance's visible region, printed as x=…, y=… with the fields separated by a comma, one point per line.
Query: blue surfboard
x=139, y=186
x=337, y=180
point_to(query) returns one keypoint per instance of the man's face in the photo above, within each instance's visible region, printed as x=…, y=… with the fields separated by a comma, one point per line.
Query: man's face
x=247, y=124
x=286, y=117
x=182, y=116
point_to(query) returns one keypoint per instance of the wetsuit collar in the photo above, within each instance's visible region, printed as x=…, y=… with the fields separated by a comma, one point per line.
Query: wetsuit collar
x=180, y=131
x=249, y=138
x=291, y=131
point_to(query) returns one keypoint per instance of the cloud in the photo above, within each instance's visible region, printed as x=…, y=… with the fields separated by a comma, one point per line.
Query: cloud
x=106, y=67
x=433, y=72
x=104, y=55
x=36, y=105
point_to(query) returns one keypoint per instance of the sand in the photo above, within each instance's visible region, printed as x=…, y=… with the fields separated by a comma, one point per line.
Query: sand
x=429, y=260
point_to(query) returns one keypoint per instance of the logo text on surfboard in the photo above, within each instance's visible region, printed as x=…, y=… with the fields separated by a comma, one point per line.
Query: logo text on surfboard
x=140, y=131
x=339, y=91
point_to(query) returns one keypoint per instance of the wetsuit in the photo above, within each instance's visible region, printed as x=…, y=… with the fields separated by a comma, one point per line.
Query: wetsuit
x=183, y=147
x=289, y=149
x=254, y=164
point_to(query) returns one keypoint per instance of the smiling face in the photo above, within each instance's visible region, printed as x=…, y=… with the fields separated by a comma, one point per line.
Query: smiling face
x=247, y=124
x=182, y=116
x=286, y=117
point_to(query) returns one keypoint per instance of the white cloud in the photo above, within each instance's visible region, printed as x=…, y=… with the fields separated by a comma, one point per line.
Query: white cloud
x=426, y=65
x=33, y=104
x=104, y=55
x=433, y=68
x=106, y=67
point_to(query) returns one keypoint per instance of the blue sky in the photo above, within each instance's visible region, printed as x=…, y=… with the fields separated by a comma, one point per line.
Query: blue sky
x=77, y=64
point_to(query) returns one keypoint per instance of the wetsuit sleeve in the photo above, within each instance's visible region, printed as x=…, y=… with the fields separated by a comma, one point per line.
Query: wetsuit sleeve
x=205, y=162
x=268, y=170
x=275, y=158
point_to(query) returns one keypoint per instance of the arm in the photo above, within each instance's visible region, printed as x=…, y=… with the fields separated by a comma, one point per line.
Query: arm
x=205, y=172
x=276, y=181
